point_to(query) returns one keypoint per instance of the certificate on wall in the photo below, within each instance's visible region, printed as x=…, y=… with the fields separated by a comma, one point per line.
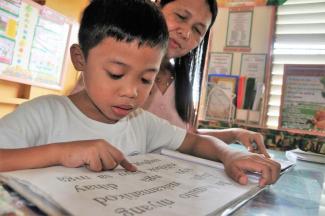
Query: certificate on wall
x=239, y=28
x=253, y=65
x=220, y=63
x=303, y=97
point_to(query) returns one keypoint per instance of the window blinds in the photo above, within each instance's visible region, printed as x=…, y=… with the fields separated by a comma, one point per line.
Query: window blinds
x=299, y=39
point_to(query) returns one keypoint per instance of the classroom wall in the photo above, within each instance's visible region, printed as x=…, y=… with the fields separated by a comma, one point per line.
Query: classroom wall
x=12, y=94
x=261, y=37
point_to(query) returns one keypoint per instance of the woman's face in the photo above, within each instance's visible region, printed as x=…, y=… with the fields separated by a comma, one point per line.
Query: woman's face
x=187, y=21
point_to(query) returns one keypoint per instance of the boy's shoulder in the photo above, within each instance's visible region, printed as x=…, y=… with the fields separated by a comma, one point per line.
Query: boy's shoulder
x=49, y=97
x=45, y=101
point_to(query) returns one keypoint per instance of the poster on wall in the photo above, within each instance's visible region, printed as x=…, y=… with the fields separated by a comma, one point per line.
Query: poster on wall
x=9, y=13
x=48, y=48
x=220, y=63
x=239, y=28
x=33, y=44
x=303, y=97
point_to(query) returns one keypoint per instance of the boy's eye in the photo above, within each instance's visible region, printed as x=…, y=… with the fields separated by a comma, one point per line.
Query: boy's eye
x=114, y=76
x=146, y=81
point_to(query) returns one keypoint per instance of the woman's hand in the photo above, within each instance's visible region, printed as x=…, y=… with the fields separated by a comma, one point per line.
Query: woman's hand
x=253, y=141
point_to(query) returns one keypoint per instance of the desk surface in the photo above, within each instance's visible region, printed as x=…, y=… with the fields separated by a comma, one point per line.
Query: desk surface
x=300, y=191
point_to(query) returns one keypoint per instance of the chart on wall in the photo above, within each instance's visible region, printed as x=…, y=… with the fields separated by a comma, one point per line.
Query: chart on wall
x=303, y=97
x=33, y=43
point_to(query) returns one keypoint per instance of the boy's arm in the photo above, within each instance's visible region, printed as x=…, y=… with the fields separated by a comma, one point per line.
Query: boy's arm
x=96, y=155
x=236, y=163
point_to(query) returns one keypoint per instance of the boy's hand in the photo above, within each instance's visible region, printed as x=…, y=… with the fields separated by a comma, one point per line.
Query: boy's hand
x=96, y=155
x=253, y=141
x=239, y=163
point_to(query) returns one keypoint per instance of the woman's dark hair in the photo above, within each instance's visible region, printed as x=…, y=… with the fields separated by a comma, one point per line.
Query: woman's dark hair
x=189, y=68
x=124, y=20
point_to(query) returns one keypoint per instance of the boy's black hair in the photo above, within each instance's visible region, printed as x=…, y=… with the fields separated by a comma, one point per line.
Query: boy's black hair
x=188, y=70
x=123, y=20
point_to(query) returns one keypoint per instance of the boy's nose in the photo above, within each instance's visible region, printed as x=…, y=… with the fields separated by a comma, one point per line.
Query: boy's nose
x=130, y=91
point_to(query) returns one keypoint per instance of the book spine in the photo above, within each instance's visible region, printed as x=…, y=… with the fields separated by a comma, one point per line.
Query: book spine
x=241, y=92
x=249, y=93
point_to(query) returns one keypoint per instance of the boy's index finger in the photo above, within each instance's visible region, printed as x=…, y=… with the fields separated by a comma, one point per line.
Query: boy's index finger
x=120, y=159
x=128, y=166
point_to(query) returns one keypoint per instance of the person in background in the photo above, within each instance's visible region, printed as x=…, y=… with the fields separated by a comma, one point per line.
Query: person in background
x=102, y=124
x=188, y=23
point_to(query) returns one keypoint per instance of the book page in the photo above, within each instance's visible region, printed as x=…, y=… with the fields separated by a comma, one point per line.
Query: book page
x=297, y=154
x=162, y=186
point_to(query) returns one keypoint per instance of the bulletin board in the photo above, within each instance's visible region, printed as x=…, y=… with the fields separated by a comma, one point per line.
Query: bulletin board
x=33, y=43
x=303, y=97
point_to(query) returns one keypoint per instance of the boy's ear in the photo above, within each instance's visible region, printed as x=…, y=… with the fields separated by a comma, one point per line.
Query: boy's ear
x=77, y=57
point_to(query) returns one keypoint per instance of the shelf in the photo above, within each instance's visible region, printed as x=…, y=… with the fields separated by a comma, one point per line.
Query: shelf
x=15, y=101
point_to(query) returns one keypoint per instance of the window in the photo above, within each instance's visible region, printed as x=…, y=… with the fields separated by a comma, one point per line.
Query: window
x=299, y=39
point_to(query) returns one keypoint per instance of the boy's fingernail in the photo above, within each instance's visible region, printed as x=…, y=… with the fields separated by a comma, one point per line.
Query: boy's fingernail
x=134, y=168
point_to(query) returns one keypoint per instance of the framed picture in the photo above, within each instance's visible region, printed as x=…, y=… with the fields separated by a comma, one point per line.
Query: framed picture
x=303, y=98
x=253, y=65
x=239, y=28
x=220, y=63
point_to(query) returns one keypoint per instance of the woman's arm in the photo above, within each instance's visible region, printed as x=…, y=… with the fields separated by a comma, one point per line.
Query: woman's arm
x=253, y=141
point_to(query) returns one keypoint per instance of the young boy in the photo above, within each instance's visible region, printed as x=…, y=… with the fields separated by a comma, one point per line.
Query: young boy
x=122, y=43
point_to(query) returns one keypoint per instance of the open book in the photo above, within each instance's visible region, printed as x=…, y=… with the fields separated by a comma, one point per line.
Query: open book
x=163, y=185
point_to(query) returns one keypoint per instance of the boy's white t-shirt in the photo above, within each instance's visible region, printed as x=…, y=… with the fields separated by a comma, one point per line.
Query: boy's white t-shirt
x=53, y=119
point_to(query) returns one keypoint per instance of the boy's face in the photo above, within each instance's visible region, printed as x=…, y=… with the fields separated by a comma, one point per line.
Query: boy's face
x=118, y=77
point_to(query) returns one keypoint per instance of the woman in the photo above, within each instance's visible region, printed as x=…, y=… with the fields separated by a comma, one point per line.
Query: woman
x=188, y=24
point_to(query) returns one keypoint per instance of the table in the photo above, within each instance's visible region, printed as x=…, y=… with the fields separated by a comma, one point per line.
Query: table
x=300, y=191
